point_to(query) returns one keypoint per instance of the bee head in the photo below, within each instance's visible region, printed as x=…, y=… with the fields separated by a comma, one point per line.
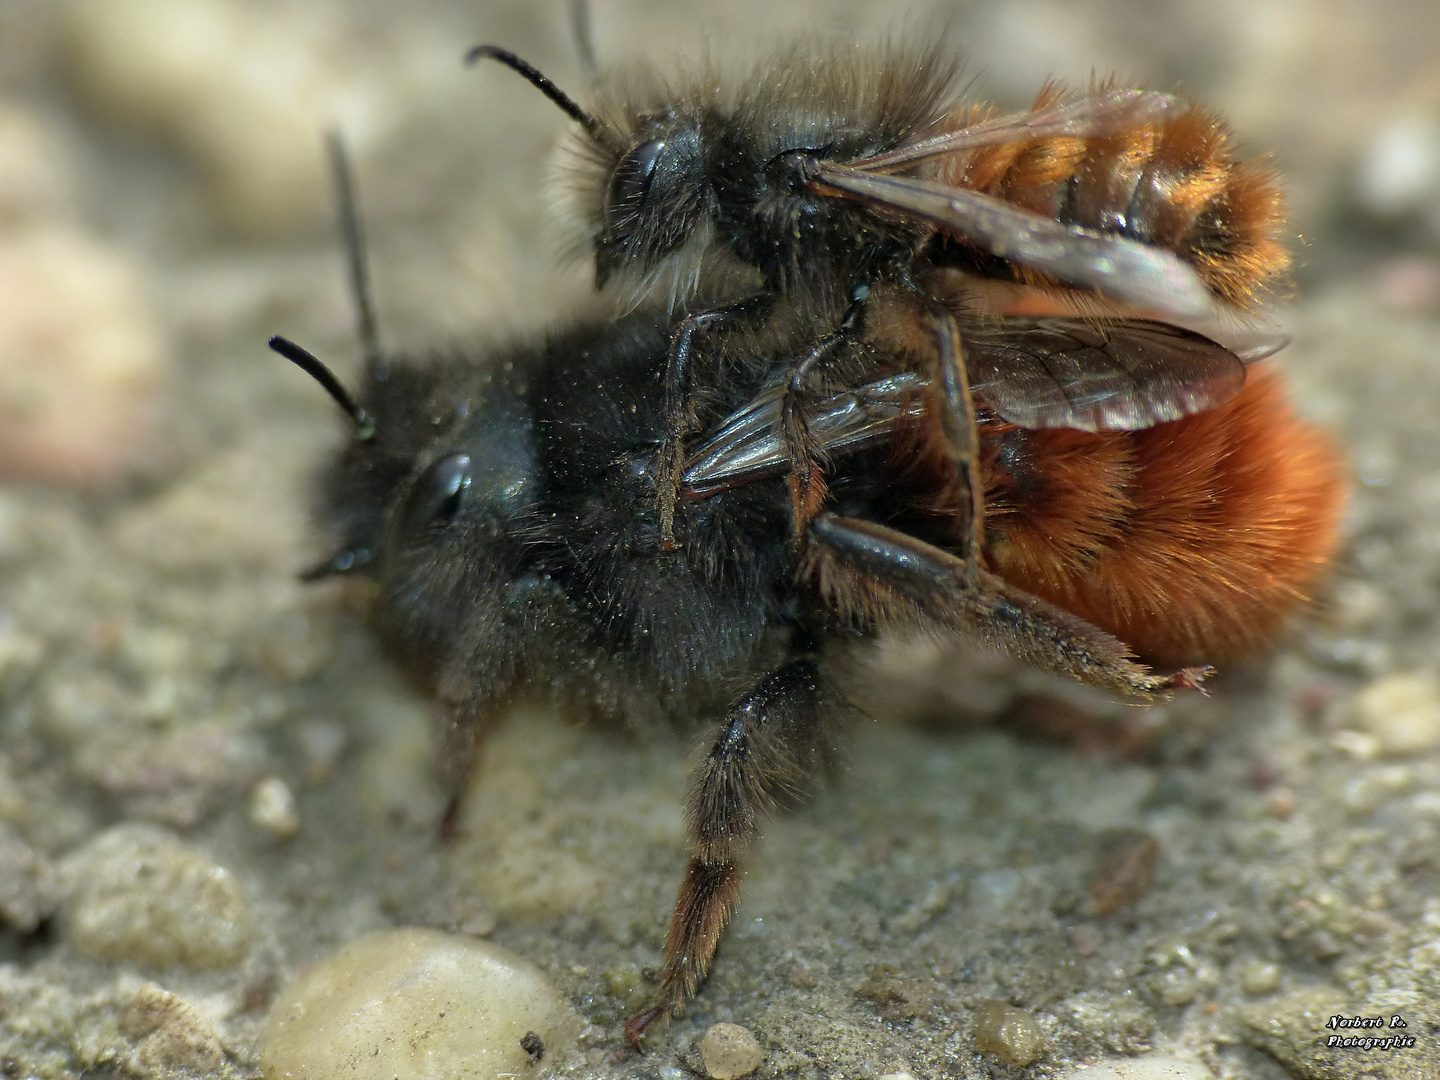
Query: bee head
x=437, y=467
x=679, y=180
x=655, y=198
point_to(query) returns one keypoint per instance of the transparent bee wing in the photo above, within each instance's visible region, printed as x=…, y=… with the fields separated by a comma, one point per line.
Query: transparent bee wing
x=1034, y=371
x=1092, y=115
x=748, y=445
x=1042, y=372
x=1120, y=269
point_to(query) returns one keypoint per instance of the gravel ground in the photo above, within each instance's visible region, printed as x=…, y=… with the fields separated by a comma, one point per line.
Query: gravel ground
x=210, y=780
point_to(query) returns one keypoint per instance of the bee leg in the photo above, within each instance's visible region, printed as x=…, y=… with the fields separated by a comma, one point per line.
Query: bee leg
x=879, y=576
x=807, y=481
x=962, y=438
x=680, y=418
x=765, y=750
x=459, y=757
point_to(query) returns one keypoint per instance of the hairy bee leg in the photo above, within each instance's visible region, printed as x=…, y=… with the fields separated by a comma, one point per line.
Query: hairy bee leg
x=880, y=575
x=680, y=418
x=807, y=484
x=962, y=438
x=766, y=750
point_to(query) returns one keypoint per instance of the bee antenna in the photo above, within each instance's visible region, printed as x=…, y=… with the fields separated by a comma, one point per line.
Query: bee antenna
x=309, y=363
x=352, y=235
x=593, y=127
x=583, y=29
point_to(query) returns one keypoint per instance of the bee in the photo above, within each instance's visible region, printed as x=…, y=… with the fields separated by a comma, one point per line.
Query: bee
x=917, y=395
x=502, y=505
x=842, y=177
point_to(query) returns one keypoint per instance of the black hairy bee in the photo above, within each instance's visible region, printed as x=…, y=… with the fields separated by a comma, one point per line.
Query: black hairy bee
x=504, y=508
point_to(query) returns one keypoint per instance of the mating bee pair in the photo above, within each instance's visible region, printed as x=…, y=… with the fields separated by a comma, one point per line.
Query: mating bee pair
x=945, y=383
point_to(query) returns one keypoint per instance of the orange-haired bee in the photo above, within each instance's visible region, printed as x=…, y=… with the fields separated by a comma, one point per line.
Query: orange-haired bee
x=999, y=423
x=849, y=178
x=944, y=389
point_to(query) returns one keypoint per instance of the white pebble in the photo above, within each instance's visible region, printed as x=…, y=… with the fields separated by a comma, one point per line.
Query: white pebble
x=1402, y=712
x=1400, y=170
x=1260, y=977
x=1143, y=1068
x=136, y=893
x=244, y=90
x=1009, y=1033
x=272, y=808
x=729, y=1051
x=415, y=1004
x=82, y=358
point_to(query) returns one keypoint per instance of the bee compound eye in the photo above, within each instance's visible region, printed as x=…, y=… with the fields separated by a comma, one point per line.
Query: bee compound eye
x=437, y=494
x=631, y=180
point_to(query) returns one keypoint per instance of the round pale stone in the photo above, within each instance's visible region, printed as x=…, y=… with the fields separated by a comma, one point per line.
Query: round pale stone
x=729, y=1051
x=1402, y=711
x=414, y=1004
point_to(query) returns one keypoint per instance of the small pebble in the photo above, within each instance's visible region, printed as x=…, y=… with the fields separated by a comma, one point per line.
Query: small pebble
x=169, y=1034
x=1177, y=987
x=322, y=744
x=175, y=776
x=802, y=978
x=1281, y=803
x=1011, y=1034
x=1157, y=1067
x=1402, y=712
x=136, y=893
x=1260, y=977
x=1399, y=171
x=242, y=91
x=1085, y=940
x=27, y=883
x=272, y=808
x=82, y=359
x=415, y=1004
x=1322, y=945
x=729, y=1051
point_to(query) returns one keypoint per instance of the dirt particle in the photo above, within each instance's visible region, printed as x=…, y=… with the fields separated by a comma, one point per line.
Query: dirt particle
x=1125, y=869
x=1011, y=1034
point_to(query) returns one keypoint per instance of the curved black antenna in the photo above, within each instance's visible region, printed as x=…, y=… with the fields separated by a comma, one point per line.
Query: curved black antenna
x=593, y=127
x=582, y=28
x=352, y=235
x=310, y=364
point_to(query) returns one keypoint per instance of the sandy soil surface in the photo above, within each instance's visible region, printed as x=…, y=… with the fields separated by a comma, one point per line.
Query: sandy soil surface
x=210, y=779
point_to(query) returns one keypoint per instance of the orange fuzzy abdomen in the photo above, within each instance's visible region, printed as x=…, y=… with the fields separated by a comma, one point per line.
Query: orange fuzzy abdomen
x=1191, y=541
x=1173, y=184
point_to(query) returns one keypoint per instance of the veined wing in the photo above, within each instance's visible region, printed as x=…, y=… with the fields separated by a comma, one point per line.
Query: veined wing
x=1114, y=266
x=748, y=446
x=1040, y=371
x=1092, y=115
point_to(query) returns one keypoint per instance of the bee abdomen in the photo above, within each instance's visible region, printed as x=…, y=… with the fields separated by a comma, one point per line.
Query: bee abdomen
x=1192, y=541
x=1176, y=185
